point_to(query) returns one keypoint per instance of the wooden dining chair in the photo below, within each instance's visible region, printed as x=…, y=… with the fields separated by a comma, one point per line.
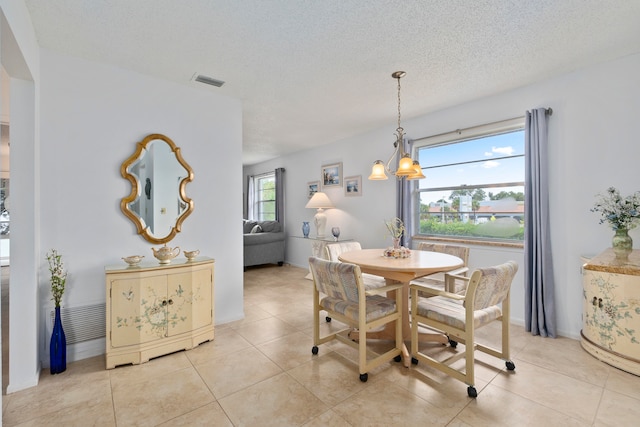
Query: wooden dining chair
x=443, y=281
x=346, y=300
x=459, y=316
x=333, y=252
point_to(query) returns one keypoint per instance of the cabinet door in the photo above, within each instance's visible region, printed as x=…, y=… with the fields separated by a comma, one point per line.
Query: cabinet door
x=612, y=311
x=202, y=298
x=189, y=301
x=138, y=314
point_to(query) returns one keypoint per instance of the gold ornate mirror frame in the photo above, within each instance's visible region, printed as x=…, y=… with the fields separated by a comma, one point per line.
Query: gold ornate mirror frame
x=185, y=203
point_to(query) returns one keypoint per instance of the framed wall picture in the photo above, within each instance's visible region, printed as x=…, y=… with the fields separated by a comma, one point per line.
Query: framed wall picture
x=332, y=175
x=353, y=186
x=312, y=188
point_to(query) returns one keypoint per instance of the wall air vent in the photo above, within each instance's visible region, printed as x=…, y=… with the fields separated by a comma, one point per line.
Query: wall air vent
x=83, y=323
x=207, y=80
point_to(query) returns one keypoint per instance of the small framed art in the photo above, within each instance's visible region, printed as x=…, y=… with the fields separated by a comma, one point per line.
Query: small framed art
x=332, y=175
x=353, y=186
x=312, y=188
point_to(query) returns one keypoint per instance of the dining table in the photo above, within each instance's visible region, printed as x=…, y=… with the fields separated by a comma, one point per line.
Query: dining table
x=403, y=270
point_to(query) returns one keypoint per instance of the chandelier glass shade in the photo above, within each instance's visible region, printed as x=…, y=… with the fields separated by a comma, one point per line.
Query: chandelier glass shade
x=407, y=167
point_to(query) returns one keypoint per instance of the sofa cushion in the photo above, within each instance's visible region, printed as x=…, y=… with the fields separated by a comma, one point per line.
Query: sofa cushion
x=247, y=225
x=270, y=226
x=262, y=238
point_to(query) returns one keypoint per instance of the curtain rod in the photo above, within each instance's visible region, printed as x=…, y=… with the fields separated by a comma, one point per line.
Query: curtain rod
x=548, y=111
x=460, y=131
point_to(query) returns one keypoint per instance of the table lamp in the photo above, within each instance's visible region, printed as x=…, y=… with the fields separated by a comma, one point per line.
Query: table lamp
x=321, y=202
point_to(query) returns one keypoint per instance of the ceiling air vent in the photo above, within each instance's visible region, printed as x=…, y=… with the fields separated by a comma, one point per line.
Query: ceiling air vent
x=207, y=80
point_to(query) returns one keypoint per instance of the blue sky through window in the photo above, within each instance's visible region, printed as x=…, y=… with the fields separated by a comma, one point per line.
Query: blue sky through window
x=475, y=162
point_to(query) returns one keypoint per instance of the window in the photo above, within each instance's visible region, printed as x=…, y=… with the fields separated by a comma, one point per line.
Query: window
x=265, y=197
x=4, y=207
x=474, y=185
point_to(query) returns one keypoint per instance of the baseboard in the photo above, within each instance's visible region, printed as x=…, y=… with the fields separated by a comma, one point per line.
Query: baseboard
x=79, y=351
x=12, y=387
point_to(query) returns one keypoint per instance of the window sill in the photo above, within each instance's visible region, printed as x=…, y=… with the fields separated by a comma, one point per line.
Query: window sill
x=516, y=245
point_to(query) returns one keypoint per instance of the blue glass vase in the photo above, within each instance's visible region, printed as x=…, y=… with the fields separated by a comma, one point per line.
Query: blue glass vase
x=305, y=229
x=58, y=347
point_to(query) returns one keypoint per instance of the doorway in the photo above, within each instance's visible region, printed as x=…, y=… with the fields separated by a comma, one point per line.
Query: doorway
x=4, y=249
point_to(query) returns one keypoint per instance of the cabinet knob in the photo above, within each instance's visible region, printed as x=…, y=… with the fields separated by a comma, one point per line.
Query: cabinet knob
x=600, y=302
x=164, y=303
x=170, y=302
x=595, y=301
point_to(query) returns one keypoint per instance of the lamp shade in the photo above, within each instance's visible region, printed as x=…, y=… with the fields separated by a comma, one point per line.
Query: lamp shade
x=319, y=201
x=377, y=171
x=405, y=167
x=418, y=171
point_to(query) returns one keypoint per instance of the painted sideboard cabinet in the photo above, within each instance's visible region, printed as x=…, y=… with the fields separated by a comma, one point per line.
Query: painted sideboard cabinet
x=155, y=309
x=611, y=310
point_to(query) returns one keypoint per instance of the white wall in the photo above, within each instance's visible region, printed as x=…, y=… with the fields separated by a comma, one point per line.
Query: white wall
x=593, y=145
x=20, y=58
x=92, y=116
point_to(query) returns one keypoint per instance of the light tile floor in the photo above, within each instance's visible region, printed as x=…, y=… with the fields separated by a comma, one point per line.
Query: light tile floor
x=260, y=372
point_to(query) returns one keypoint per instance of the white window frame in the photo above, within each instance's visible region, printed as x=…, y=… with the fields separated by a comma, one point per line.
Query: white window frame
x=259, y=202
x=460, y=135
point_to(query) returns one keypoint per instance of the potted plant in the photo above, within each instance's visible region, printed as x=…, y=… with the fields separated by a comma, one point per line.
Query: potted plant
x=58, y=344
x=622, y=214
x=396, y=229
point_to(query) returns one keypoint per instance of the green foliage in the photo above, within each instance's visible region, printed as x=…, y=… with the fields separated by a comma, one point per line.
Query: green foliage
x=519, y=196
x=620, y=212
x=58, y=275
x=268, y=190
x=433, y=225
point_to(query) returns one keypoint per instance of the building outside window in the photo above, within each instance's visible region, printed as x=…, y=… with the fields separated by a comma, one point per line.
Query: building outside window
x=474, y=185
x=265, y=197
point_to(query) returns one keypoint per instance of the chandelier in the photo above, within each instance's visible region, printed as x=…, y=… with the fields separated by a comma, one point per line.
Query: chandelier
x=407, y=167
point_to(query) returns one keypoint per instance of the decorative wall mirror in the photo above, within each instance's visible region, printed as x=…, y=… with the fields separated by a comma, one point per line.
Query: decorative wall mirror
x=158, y=174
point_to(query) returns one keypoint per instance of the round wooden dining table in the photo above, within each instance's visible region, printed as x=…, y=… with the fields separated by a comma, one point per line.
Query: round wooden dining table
x=403, y=270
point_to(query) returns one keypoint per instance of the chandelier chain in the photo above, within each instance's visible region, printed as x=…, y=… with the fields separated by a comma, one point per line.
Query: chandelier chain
x=399, y=115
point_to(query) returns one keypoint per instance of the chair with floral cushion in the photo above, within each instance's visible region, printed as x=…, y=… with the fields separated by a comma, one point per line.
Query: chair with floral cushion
x=332, y=253
x=459, y=316
x=443, y=281
x=346, y=300
x=334, y=250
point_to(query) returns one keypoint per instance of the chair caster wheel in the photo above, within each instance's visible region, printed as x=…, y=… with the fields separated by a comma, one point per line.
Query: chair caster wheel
x=314, y=349
x=397, y=358
x=328, y=319
x=453, y=343
x=364, y=377
x=510, y=365
x=471, y=391
x=414, y=361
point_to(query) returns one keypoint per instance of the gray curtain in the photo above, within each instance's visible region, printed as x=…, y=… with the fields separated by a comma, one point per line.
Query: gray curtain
x=404, y=190
x=540, y=316
x=280, y=196
x=251, y=198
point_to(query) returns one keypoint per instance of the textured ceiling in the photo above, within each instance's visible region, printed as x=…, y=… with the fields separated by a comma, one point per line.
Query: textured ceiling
x=311, y=72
